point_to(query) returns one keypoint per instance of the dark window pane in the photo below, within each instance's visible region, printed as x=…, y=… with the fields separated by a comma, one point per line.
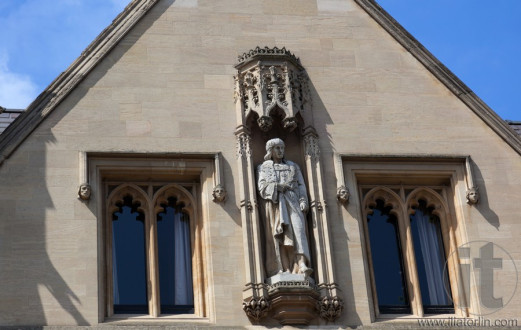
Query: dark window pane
x=128, y=260
x=387, y=261
x=175, y=261
x=430, y=260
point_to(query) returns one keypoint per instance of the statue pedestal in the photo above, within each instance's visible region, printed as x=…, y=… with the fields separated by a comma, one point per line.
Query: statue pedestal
x=293, y=298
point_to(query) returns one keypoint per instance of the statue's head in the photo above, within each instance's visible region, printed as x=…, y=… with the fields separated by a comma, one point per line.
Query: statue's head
x=219, y=193
x=84, y=192
x=275, y=145
x=473, y=195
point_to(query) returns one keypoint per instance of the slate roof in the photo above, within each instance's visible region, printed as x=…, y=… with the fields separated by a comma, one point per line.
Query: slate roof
x=516, y=125
x=7, y=116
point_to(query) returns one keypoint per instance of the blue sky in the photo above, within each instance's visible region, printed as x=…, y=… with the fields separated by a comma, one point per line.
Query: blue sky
x=478, y=40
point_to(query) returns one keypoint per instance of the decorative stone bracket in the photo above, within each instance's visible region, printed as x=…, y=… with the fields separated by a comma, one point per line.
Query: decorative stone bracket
x=342, y=192
x=472, y=190
x=219, y=192
x=84, y=190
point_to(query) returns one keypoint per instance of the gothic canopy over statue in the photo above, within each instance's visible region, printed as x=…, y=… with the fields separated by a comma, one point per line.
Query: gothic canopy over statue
x=272, y=81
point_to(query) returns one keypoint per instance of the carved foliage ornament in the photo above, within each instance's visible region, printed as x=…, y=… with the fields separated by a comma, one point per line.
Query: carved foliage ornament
x=269, y=81
x=243, y=145
x=312, y=148
x=256, y=308
x=330, y=308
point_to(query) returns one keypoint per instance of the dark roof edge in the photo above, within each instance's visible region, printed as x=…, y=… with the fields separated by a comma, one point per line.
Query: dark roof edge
x=47, y=101
x=440, y=71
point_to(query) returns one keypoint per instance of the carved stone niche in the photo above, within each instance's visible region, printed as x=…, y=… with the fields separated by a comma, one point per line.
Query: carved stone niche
x=273, y=100
x=271, y=80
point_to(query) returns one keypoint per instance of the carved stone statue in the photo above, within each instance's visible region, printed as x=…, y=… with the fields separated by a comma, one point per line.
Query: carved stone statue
x=84, y=191
x=472, y=196
x=342, y=194
x=284, y=202
x=219, y=193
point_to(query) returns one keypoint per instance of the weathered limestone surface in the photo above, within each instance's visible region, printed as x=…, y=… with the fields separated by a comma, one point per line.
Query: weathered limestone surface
x=167, y=87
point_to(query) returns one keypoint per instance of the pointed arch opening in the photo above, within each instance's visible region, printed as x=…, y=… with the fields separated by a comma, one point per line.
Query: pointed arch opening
x=427, y=212
x=161, y=201
x=382, y=212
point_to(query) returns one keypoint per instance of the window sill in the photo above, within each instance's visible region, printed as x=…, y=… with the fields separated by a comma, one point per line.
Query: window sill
x=391, y=318
x=135, y=319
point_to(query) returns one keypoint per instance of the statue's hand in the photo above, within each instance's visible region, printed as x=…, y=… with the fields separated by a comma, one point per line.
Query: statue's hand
x=304, y=206
x=282, y=187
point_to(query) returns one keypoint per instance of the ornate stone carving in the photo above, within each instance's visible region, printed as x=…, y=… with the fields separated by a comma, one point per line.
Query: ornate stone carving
x=472, y=196
x=250, y=91
x=265, y=123
x=266, y=51
x=84, y=192
x=243, y=145
x=219, y=193
x=272, y=80
x=330, y=308
x=284, y=202
x=342, y=194
x=306, y=284
x=312, y=148
x=289, y=123
x=256, y=308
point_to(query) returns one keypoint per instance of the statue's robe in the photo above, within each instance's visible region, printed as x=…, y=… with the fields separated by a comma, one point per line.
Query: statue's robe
x=284, y=222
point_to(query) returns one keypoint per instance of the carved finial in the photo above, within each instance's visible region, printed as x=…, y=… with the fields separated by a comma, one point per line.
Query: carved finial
x=342, y=194
x=219, y=193
x=84, y=192
x=273, y=75
x=256, y=308
x=472, y=196
x=330, y=308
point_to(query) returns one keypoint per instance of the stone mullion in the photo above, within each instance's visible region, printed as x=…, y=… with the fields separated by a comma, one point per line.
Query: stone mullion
x=404, y=226
x=152, y=262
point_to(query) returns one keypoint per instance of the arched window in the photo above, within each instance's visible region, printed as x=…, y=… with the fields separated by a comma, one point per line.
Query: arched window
x=150, y=250
x=175, y=259
x=407, y=240
x=129, y=258
x=387, y=259
x=431, y=257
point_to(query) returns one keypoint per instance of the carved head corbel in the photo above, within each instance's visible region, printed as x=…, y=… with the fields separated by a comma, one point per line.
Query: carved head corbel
x=219, y=193
x=84, y=192
x=472, y=196
x=342, y=194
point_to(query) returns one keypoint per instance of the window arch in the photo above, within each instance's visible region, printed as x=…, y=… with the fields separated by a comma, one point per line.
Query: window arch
x=382, y=213
x=423, y=239
x=150, y=250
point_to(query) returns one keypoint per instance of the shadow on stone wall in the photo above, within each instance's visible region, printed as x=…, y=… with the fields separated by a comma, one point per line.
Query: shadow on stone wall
x=34, y=291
